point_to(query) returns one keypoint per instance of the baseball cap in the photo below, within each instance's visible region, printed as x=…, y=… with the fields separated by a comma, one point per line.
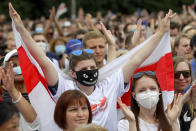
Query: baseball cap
x=9, y=55
x=73, y=45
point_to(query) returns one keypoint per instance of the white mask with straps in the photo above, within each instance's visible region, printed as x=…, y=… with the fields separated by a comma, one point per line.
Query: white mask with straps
x=17, y=70
x=148, y=99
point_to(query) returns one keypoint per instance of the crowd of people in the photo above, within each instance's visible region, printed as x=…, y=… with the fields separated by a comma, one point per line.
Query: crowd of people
x=79, y=48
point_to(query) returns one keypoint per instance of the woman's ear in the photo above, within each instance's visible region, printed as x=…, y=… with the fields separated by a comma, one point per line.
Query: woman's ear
x=72, y=73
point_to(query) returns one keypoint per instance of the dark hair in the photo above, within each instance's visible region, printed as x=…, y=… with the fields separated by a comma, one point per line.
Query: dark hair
x=35, y=34
x=128, y=40
x=79, y=32
x=174, y=25
x=193, y=41
x=125, y=29
x=75, y=59
x=69, y=97
x=164, y=124
x=36, y=23
x=7, y=111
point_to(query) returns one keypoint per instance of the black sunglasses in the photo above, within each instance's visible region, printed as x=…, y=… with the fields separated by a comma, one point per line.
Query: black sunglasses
x=186, y=74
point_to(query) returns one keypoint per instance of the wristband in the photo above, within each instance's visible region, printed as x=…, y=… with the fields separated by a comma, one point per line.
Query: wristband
x=18, y=99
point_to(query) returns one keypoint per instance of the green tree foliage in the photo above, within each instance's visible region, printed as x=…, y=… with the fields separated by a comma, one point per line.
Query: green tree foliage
x=36, y=8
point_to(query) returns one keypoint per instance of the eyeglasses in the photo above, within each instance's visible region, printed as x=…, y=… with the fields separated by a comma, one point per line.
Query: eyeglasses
x=186, y=74
x=140, y=74
x=79, y=52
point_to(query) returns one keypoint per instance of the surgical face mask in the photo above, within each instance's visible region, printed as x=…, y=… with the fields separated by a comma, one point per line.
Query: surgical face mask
x=87, y=77
x=17, y=70
x=39, y=30
x=59, y=49
x=43, y=46
x=148, y=99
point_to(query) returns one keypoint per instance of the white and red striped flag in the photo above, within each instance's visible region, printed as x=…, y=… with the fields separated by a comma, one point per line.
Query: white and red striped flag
x=61, y=10
x=160, y=61
x=36, y=85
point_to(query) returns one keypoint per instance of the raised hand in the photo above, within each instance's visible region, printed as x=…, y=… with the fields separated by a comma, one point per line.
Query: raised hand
x=107, y=33
x=88, y=18
x=165, y=22
x=52, y=14
x=184, y=9
x=174, y=111
x=126, y=111
x=8, y=78
x=191, y=12
x=138, y=33
x=15, y=17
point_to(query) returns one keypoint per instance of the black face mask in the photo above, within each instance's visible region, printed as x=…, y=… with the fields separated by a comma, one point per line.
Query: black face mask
x=87, y=77
x=194, y=54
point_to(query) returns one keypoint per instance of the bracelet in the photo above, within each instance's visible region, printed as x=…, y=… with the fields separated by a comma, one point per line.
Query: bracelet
x=17, y=100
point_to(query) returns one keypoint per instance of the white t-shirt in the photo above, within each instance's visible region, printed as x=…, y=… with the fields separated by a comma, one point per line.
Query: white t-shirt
x=25, y=126
x=103, y=100
x=123, y=125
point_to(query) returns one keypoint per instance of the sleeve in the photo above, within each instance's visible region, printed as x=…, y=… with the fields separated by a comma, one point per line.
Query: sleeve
x=123, y=125
x=62, y=86
x=34, y=126
x=122, y=86
x=115, y=82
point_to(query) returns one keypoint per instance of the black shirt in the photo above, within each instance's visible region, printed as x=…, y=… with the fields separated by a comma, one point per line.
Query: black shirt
x=185, y=117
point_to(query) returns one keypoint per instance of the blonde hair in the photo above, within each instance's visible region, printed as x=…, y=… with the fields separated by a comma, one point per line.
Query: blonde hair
x=92, y=35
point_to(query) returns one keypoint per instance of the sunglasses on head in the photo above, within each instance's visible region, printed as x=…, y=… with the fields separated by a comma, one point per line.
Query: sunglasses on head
x=185, y=74
x=140, y=74
x=79, y=52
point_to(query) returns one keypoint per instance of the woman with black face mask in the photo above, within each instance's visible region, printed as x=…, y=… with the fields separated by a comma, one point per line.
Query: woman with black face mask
x=102, y=94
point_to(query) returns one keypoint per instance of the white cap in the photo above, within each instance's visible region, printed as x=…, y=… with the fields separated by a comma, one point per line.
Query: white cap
x=9, y=55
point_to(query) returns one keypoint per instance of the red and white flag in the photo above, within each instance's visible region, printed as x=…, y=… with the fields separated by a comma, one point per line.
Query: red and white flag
x=61, y=10
x=160, y=61
x=36, y=85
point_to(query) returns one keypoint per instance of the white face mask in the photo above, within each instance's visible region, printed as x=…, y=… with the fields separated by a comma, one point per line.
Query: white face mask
x=17, y=70
x=59, y=49
x=148, y=99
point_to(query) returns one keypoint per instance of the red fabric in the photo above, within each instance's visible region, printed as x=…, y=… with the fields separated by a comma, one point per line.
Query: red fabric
x=30, y=73
x=164, y=72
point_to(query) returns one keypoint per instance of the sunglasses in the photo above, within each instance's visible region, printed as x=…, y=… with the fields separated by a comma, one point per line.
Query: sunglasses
x=79, y=52
x=185, y=74
x=140, y=74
